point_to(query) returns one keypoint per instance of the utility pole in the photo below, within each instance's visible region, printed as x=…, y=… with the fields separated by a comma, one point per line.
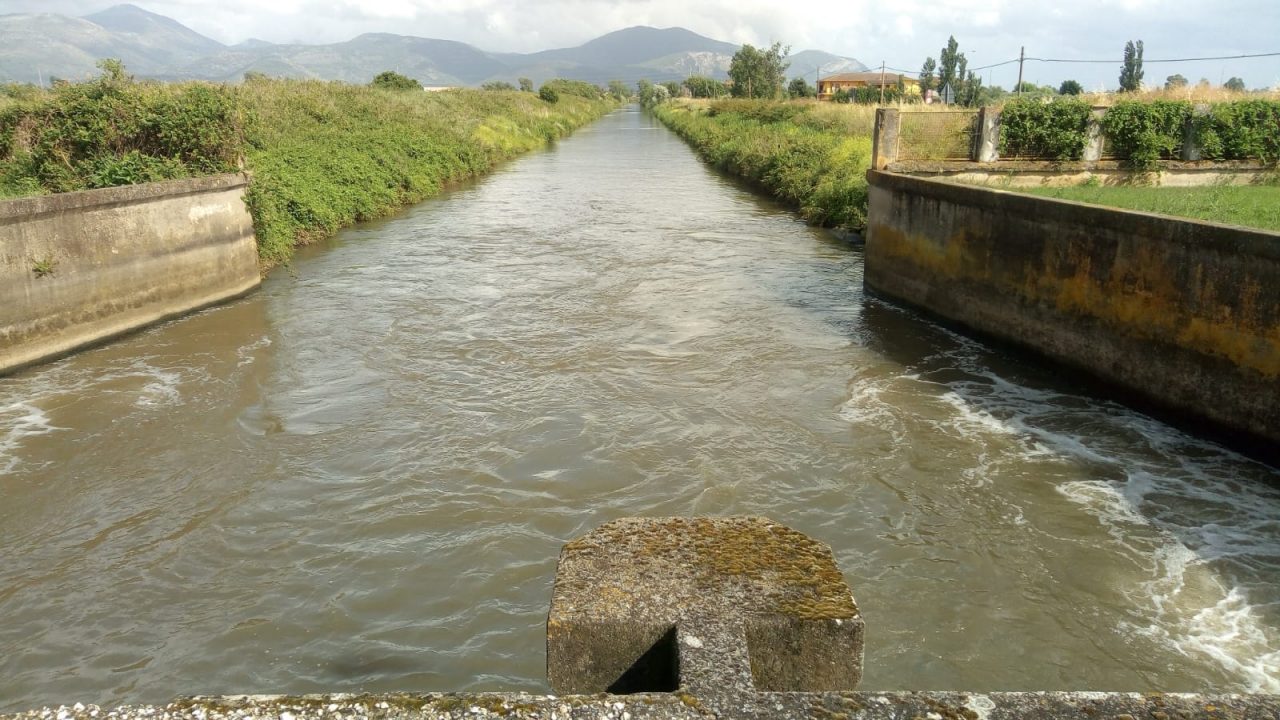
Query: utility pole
x=1022, y=56
x=881, y=82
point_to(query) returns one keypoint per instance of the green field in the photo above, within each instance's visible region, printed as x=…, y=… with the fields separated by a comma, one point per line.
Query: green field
x=1256, y=206
x=323, y=155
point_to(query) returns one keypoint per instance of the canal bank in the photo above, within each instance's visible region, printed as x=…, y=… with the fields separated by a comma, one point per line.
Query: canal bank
x=359, y=477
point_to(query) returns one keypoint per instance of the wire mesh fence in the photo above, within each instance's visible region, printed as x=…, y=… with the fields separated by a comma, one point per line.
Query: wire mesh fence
x=937, y=135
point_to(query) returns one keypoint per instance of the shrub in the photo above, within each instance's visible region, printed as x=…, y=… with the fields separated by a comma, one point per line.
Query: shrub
x=578, y=88
x=549, y=94
x=1056, y=130
x=1142, y=133
x=390, y=80
x=114, y=131
x=1241, y=130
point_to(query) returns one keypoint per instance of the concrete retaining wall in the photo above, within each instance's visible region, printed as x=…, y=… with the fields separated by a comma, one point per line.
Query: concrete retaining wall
x=1184, y=313
x=78, y=268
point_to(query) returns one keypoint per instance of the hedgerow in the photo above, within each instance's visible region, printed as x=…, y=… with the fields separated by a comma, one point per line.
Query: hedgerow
x=1055, y=130
x=1241, y=130
x=1143, y=133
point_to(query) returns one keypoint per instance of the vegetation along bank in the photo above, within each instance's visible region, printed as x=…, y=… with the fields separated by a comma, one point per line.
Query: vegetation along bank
x=814, y=157
x=323, y=155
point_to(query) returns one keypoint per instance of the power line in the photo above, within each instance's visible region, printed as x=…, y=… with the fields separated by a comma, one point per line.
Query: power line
x=1110, y=62
x=1170, y=60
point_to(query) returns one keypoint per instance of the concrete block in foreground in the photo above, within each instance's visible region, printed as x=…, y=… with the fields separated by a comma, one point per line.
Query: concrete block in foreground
x=712, y=606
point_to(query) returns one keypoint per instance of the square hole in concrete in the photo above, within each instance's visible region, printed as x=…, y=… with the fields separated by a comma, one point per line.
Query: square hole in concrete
x=656, y=671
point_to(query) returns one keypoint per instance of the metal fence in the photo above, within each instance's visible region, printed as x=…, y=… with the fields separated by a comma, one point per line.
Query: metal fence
x=937, y=134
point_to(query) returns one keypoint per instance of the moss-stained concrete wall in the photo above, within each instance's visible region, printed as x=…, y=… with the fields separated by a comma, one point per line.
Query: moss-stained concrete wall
x=1184, y=313
x=78, y=268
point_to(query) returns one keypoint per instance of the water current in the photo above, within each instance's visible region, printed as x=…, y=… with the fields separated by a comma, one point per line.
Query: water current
x=359, y=477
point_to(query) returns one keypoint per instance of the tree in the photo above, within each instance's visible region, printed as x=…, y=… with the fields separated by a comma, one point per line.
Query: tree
x=526, y=85
x=674, y=88
x=391, y=80
x=970, y=93
x=705, y=87
x=758, y=73
x=1235, y=84
x=1131, y=72
x=651, y=94
x=948, y=60
x=1070, y=87
x=927, y=77
x=497, y=85
x=619, y=90
x=800, y=88
x=1173, y=82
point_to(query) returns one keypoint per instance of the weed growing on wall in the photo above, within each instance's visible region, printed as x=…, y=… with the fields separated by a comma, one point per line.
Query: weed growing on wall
x=1055, y=130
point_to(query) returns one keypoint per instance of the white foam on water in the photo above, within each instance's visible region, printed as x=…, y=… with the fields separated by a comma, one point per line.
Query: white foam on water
x=1196, y=600
x=161, y=389
x=19, y=421
x=1206, y=534
x=248, y=353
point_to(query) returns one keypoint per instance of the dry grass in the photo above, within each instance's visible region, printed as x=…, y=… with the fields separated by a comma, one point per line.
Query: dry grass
x=1193, y=93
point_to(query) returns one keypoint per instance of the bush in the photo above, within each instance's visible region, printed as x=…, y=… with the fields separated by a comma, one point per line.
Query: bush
x=498, y=86
x=114, y=131
x=1241, y=130
x=1143, y=133
x=1056, y=130
x=549, y=94
x=391, y=80
x=577, y=88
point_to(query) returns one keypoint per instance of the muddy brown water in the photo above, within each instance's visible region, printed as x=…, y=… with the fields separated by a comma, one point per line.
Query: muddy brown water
x=359, y=477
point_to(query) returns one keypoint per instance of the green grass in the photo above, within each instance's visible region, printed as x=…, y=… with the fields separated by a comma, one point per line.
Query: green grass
x=322, y=155
x=803, y=155
x=326, y=155
x=1255, y=206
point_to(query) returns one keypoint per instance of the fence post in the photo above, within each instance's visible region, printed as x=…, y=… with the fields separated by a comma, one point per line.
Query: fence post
x=1191, y=150
x=987, y=147
x=884, y=144
x=1093, y=136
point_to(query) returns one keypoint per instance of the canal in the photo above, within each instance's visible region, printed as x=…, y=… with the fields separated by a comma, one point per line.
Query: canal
x=360, y=476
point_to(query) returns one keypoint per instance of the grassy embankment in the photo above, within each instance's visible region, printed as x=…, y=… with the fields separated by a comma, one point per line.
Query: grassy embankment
x=1256, y=206
x=323, y=155
x=812, y=157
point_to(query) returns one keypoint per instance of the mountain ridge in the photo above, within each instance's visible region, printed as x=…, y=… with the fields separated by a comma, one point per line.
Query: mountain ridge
x=34, y=48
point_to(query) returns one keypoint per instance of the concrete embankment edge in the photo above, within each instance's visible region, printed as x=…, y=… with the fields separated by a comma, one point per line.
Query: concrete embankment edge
x=77, y=269
x=1185, y=314
x=685, y=706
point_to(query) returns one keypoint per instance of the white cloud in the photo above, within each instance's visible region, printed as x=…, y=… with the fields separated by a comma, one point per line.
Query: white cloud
x=857, y=28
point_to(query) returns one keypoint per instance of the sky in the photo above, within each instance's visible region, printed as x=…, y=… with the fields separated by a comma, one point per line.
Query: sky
x=900, y=33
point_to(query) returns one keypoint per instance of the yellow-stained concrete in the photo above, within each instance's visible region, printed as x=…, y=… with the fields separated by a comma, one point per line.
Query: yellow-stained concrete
x=1182, y=312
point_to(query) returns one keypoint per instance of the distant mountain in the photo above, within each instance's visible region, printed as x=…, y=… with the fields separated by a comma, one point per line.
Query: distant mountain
x=35, y=47
x=809, y=64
